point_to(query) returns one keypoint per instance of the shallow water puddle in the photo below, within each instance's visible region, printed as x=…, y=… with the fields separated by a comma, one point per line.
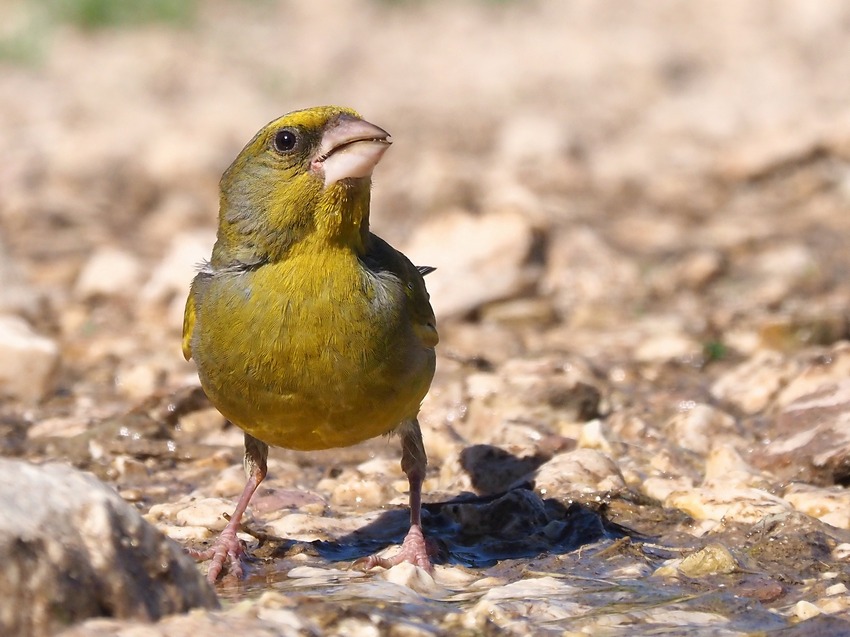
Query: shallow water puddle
x=591, y=578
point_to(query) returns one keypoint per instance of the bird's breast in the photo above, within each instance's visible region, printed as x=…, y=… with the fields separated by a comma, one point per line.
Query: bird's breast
x=311, y=353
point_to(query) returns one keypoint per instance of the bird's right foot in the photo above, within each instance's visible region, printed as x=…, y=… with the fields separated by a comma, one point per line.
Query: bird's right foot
x=416, y=550
x=227, y=549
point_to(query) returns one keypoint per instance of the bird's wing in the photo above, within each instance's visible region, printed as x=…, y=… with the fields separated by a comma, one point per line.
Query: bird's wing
x=381, y=256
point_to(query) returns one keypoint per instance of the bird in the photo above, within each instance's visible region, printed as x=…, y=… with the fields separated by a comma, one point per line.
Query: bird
x=309, y=331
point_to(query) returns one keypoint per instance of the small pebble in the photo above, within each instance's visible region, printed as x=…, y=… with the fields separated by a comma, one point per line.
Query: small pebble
x=806, y=610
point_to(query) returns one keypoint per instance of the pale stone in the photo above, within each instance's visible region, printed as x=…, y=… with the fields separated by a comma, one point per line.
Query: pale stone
x=836, y=589
x=138, y=381
x=585, y=271
x=60, y=427
x=665, y=347
x=380, y=467
x=694, y=429
x=543, y=598
x=109, y=272
x=228, y=482
x=594, y=435
x=833, y=367
x=700, y=267
x=323, y=575
x=473, y=342
x=483, y=385
x=746, y=505
x=830, y=505
x=300, y=526
x=415, y=578
x=754, y=384
x=129, y=468
x=550, y=139
x=28, y=361
x=841, y=551
x=710, y=560
x=206, y=512
x=260, y=623
x=283, y=619
x=202, y=420
x=521, y=313
x=810, y=438
x=725, y=466
x=787, y=263
x=806, y=610
x=834, y=604
x=666, y=616
x=579, y=471
x=660, y=488
x=360, y=493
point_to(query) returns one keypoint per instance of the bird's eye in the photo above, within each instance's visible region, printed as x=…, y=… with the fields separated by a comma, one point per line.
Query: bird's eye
x=285, y=140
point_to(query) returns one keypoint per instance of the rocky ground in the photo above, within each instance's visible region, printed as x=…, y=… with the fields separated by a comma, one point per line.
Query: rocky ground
x=640, y=216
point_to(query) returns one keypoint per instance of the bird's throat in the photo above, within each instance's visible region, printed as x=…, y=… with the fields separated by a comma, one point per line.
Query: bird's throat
x=342, y=217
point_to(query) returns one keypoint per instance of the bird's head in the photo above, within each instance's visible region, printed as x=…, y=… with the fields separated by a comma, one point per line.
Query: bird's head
x=304, y=175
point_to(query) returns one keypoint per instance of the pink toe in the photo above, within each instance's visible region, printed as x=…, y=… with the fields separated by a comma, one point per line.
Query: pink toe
x=414, y=550
x=227, y=549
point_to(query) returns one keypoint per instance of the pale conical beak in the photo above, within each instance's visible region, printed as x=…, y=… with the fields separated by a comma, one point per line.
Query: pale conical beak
x=350, y=149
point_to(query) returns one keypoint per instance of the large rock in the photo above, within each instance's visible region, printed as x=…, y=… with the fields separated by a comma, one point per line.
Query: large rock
x=71, y=549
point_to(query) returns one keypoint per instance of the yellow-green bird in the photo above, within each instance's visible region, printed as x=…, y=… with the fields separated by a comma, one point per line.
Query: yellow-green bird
x=308, y=331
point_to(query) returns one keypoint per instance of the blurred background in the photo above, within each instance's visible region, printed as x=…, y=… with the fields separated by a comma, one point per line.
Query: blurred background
x=640, y=216
x=660, y=183
x=565, y=164
x=585, y=175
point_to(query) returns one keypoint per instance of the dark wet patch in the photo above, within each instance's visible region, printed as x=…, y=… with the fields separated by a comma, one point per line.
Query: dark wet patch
x=472, y=531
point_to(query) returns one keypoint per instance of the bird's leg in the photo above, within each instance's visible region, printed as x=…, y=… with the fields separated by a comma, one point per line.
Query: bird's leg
x=414, y=549
x=227, y=547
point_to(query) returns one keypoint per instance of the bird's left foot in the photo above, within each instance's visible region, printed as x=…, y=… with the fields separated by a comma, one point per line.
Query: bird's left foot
x=415, y=550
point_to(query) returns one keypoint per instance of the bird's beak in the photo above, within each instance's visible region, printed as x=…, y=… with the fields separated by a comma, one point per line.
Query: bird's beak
x=350, y=148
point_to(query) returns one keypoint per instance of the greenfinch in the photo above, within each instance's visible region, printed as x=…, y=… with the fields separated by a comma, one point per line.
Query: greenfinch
x=308, y=331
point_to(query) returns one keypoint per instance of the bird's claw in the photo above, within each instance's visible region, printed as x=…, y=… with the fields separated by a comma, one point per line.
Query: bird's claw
x=415, y=550
x=227, y=549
